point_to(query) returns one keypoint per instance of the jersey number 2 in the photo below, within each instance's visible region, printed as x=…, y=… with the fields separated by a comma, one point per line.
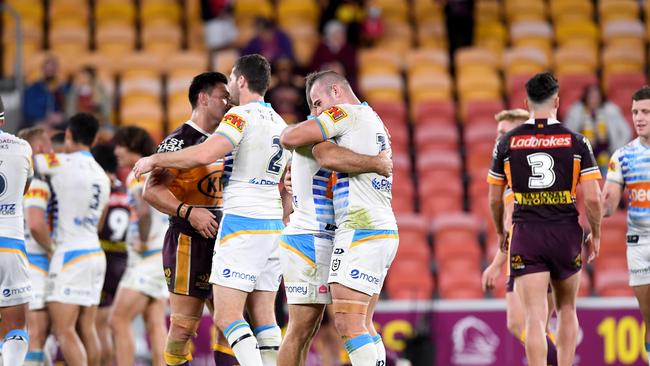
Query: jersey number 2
x=541, y=166
x=274, y=165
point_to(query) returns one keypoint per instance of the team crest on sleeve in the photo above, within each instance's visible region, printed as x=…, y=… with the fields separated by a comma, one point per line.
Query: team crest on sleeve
x=51, y=160
x=611, y=166
x=235, y=121
x=336, y=113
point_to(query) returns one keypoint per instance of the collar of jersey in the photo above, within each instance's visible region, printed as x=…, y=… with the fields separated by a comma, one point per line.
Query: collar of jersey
x=196, y=127
x=364, y=103
x=84, y=152
x=550, y=121
x=263, y=103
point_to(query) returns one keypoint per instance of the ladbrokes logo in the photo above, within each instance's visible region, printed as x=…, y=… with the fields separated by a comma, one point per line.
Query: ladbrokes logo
x=539, y=141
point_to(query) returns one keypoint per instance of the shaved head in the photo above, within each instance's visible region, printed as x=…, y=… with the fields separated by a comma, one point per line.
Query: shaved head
x=327, y=88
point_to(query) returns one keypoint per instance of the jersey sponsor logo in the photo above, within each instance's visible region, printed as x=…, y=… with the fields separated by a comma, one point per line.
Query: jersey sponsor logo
x=371, y=278
x=69, y=291
x=3, y=184
x=170, y=145
x=210, y=185
x=262, y=182
x=539, y=141
x=336, y=113
x=382, y=184
x=36, y=193
x=235, y=121
x=339, y=251
x=9, y=292
x=297, y=289
x=544, y=198
x=8, y=209
x=51, y=160
x=632, y=239
x=640, y=194
x=517, y=262
x=228, y=273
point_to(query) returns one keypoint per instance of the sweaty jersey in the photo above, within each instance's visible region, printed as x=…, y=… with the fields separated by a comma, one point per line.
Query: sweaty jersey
x=630, y=167
x=113, y=233
x=15, y=170
x=37, y=196
x=201, y=186
x=253, y=169
x=361, y=201
x=159, y=221
x=80, y=191
x=313, y=211
x=543, y=162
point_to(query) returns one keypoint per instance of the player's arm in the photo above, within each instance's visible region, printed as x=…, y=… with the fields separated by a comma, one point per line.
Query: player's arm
x=491, y=273
x=143, y=211
x=303, y=133
x=333, y=157
x=39, y=228
x=614, y=185
x=27, y=184
x=497, y=209
x=589, y=178
x=156, y=192
x=287, y=197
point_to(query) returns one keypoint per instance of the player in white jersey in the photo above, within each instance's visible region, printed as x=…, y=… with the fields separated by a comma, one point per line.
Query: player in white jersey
x=15, y=174
x=366, y=238
x=80, y=191
x=245, y=266
x=629, y=168
x=38, y=243
x=142, y=290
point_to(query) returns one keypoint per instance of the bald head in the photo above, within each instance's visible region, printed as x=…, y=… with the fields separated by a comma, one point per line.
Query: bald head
x=327, y=88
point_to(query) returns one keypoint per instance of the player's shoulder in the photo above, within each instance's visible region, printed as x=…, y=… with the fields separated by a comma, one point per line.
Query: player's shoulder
x=631, y=148
x=340, y=112
x=183, y=136
x=12, y=142
x=51, y=160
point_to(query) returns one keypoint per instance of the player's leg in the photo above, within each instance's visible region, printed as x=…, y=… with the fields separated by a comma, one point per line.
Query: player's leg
x=551, y=355
x=642, y=293
x=16, y=341
x=154, y=318
x=370, y=325
x=88, y=333
x=514, y=312
x=350, y=309
x=531, y=289
x=184, y=321
x=566, y=292
x=261, y=308
x=128, y=304
x=104, y=333
x=304, y=321
x=64, y=322
x=39, y=326
x=223, y=355
x=115, y=268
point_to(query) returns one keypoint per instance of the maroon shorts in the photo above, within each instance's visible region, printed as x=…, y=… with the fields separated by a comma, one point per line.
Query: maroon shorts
x=510, y=285
x=115, y=267
x=546, y=247
x=187, y=262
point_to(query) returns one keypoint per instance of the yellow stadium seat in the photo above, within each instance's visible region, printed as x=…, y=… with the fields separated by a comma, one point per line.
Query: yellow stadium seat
x=534, y=34
x=478, y=86
x=474, y=58
x=622, y=60
x=305, y=10
x=571, y=60
x=31, y=13
x=115, y=39
x=630, y=33
x=224, y=60
x=305, y=40
x=107, y=12
x=517, y=61
x=247, y=10
x=382, y=87
x=379, y=61
x=618, y=9
x=140, y=65
x=432, y=35
x=427, y=11
x=571, y=10
x=146, y=115
x=491, y=36
x=393, y=10
x=517, y=10
x=183, y=63
x=425, y=60
x=397, y=37
x=487, y=11
x=161, y=13
x=429, y=87
x=161, y=38
x=69, y=39
x=577, y=33
x=68, y=13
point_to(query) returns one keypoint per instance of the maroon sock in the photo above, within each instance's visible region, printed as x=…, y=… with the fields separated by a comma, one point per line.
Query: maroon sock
x=224, y=359
x=551, y=354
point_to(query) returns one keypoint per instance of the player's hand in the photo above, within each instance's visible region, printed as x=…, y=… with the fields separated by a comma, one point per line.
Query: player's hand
x=139, y=246
x=204, y=222
x=143, y=166
x=287, y=180
x=489, y=277
x=592, y=247
x=384, y=163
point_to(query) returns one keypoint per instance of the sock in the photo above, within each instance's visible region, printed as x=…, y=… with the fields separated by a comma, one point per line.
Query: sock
x=243, y=343
x=35, y=358
x=15, y=347
x=224, y=356
x=522, y=337
x=551, y=354
x=362, y=350
x=647, y=349
x=269, y=338
x=381, y=350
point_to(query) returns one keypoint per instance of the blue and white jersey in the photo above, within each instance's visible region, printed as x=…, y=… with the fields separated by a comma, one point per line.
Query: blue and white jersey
x=313, y=211
x=252, y=171
x=15, y=169
x=361, y=201
x=630, y=167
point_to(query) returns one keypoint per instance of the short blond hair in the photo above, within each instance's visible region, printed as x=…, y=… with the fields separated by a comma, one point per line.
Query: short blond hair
x=31, y=133
x=510, y=114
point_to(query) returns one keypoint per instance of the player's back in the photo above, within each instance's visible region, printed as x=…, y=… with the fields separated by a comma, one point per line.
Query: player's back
x=80, y=189
x=15, y=170
x=543, y=161
x=159, y=221
x=37, y=196
x=113, y=233
x=252, y=171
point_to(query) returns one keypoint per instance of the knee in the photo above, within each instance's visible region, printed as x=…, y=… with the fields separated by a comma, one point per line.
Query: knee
x=515, y=326
x=347, y=326
x=183, y=327
x=302, y=330
x=117, y=323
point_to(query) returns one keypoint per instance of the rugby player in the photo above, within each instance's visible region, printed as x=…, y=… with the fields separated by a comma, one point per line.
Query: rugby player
x=366, y=239
x=543, y=162
x=15, y=174
x=506, y=121
x=629, y=167
x=112, y=236
x=81, y=190
x=189, y=242
x=142, y=290
x=39, y=248
x=245, y=267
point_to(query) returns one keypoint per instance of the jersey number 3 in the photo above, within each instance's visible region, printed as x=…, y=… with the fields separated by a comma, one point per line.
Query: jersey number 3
x=274, y=163
x=542, y=174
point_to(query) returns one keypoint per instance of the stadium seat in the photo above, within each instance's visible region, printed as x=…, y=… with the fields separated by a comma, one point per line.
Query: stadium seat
x=585, y=284
x=430, y=88
x=68, y=13
x=160, y=12
x=460, y=282
x=424, y=60
x=574, y=60
x=161, y=38
x=455, y=227
x=403, y=193
x=436, y=199
x=114, y=12
x=431, y=34
x=577, y=34
x=475, y=58
x=379, y=61
x=224, y=60
x=402, y=284
x=392, y=113
x=572, y=87
x=147, y=116
x=69, y=39
x=613, y=236
x=393, y=11
x=478, y=86
x=619, y=89
x=434, y=112
x=491, y=36
x=625, y=33
x=526, y=10
x=397, y=37
x=247, y=10
x=412, y=228
x=479, y=144
x=622, y=59
x=481, y=110
x=574, y=10
x=305, y=10
x=115, y=39
x=532, y=34
x=430, y=138
x=618, y=9
x=524, y=60
x=486, y=11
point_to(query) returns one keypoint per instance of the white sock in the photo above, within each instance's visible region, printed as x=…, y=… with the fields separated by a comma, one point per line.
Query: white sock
x=35, y=358
x=362, y=350
x=243, y=343
x=15, y=347
x=269, y=337
x=381, y=350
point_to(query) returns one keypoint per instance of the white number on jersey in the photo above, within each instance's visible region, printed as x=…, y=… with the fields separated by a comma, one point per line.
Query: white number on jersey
x=541, y=165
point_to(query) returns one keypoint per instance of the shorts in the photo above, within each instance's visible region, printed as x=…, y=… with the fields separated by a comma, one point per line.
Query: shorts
x=147, y=276
x=248, y=256
x=546, y=247
x=510, y=285
x=186, y=261
x=39, y=266
x=14, y=278
x=76, y=277
x=638, y=259
x=361, y=258
x=115, y=267
x=305, y=260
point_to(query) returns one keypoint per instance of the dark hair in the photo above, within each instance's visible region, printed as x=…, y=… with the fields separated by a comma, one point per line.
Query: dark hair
x=587, y=90
x=135, y=139
x=204, y=83
x=30, y=133
x=58, y=138
x=541, y=87
x=90, y=70
x=104, y=154
x=84, y=127
x=328, y=76
x=256, y=70
x=641, y=94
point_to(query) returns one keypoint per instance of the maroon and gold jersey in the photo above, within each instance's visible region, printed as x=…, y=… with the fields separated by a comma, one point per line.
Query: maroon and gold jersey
x=543, y=162
x=113, y=233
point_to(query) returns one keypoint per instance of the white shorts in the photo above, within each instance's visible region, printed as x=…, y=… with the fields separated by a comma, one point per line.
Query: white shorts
x=305, y=260
x=246, y=256
x=76, y=277
x=361, y=258
x=39, y=266
x=146, y=275
x=14, y=279
x=638, y=264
